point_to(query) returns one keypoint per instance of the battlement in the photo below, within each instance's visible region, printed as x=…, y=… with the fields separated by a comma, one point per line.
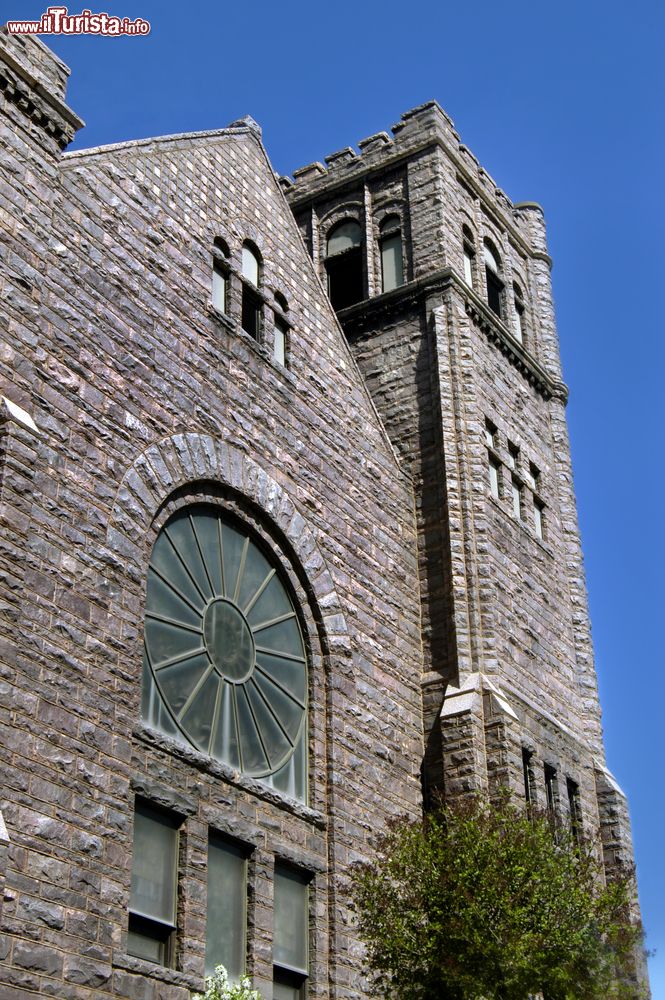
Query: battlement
x=420, y=127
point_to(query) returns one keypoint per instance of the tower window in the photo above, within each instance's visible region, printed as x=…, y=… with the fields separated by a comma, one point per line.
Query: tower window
x=344, y=264
x=574, y=808
x=290, y=935
x=527, y=767
x=469, y=253
x=516, y=490
x=513, y=456
x=152, y=905
x=227, y=907
x=279, y=346
x=539, y=517
x=390, y=241
x=519, y=314
x=251, y=301
x=493, y=469
x=490, y=434
x=551, y=791
x=493, y=279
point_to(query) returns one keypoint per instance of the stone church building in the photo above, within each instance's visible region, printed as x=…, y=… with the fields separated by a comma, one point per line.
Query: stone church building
x=288, y=541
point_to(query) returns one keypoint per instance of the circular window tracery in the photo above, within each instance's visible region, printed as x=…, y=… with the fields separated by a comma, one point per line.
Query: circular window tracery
x=223, y=644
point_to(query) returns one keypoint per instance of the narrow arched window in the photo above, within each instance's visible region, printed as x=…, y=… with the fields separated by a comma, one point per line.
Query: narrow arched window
x=519, y=313
x=344, y=264
x=280, y=343
x=493, y=279
x=251, y=301
x=390, y=242
x=469, y=252
x=220, y=275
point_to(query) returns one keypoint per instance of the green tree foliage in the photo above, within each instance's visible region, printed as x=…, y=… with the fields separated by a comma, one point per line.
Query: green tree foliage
x=489, y=902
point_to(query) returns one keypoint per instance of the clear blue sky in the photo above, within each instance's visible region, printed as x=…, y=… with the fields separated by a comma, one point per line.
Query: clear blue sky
x=563, y=104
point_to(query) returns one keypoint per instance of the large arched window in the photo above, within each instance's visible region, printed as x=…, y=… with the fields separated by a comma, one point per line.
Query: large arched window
x=225, y=667
x=344, y=264
x=493, y=279
x=390, y=242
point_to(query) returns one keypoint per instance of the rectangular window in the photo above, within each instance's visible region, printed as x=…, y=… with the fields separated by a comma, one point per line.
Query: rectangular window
x=153, y=900
x=251, y=313
x=468, y=267
x=519, y=322
x=551, y=787
x=392, y=271
x=574, y=808
x=219, y=289
x=226, y=943
x=494, y=292
x=527, y=767
x=538, y=518
x=490, y=434
x=493, y=469
x=533, y=476
x=513, y=455
x=279, y=347
x=290, y=934
x=516, y=489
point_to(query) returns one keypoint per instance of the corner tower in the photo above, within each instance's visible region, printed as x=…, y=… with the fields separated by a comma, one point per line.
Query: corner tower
x=442, y=286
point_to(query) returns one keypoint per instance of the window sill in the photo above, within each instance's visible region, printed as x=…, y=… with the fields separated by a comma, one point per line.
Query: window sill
x=153, y=971
x=151, y=738
x=221, y=317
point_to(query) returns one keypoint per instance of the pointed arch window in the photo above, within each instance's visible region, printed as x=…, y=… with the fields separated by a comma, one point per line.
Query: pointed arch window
x=344, y=265
x=390, y=243
x=493, y=279
x=225, y=667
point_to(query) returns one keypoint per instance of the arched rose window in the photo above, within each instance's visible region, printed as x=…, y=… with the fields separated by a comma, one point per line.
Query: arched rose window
x=225, y=664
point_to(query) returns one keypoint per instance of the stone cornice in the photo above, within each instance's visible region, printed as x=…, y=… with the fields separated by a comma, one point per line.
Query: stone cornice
x=364, y=314
x=37, y=103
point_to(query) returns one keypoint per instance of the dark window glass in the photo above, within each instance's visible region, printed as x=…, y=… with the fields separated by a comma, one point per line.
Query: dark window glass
x=251, y=312
x=494, y=292
x=344, y=264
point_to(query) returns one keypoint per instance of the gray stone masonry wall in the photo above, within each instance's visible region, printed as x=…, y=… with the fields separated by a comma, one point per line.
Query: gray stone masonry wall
x=144, y=399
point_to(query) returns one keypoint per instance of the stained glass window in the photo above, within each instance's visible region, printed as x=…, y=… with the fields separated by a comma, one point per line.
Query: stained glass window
x=225, y=665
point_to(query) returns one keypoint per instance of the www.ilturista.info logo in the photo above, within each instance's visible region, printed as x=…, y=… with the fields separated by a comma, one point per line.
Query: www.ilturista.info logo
x=58, y=21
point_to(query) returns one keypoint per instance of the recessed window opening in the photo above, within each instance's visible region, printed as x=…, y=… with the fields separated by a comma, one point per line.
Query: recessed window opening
x=344, y=264
x=390, y=242
x=493, y=471
x=533, y=476
x=490, y=434
x=469, y=252
x=220, y=275
x=539, y=518
x=493, y=278
x=226, y=942
x=251, y=301
x=550, y=787
x=290, y=934
x=519, y=314
x=527, y=768
x=513, y=455
x=279, y=345
x=153, y=900
x=574, y=808
x=516, y=489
